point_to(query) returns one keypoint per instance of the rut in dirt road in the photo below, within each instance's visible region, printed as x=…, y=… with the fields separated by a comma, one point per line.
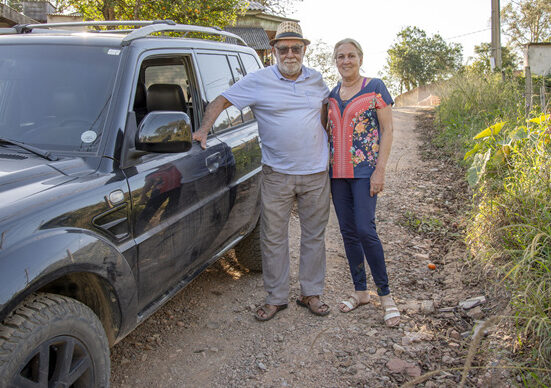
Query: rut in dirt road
x=207, y=335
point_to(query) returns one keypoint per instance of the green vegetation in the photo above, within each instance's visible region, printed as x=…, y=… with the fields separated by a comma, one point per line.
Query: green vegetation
x=417, y=59
x=509, y=170
x=429, y=226
x=527, y=21
x=471, y=101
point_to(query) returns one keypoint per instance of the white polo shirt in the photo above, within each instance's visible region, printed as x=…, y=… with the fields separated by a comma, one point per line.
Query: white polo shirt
x=289, y=118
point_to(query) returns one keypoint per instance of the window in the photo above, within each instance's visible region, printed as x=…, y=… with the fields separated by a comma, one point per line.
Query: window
x=238, y=73
x=236, y=68
x=217, y=77
x=250, y=63
x=164, y=84
x=45, y=99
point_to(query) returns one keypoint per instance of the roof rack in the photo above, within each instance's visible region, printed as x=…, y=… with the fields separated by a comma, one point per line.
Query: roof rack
x=148, y=28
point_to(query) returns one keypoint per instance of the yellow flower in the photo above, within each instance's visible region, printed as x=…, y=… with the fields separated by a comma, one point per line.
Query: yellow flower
x=360, y=127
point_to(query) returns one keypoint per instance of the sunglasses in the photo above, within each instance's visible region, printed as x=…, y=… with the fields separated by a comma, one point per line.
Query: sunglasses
x=282, y=50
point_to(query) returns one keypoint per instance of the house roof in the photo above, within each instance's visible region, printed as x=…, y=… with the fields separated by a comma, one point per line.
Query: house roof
x=255, y=37
x=256, y=6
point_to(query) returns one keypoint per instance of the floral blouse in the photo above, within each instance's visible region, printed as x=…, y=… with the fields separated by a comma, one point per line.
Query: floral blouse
x=354, y=130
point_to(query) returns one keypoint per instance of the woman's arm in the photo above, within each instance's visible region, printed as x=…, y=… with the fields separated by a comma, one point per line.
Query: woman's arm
x=386, y=129
x=324, y=117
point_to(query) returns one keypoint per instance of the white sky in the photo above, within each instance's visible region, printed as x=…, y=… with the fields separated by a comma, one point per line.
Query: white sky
x=374, y=24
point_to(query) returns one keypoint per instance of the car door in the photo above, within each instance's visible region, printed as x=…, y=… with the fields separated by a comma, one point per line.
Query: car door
x=220, y=71
x=179, y=200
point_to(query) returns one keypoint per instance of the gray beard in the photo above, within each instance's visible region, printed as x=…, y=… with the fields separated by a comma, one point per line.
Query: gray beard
x=287, y=71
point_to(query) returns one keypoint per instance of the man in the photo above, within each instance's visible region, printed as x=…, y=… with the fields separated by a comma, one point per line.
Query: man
x=288, y=100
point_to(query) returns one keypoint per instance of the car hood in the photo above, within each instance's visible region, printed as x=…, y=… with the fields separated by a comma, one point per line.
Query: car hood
x=23, y=175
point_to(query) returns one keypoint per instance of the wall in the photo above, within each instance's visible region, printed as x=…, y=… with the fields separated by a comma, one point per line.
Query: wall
x=426, y=95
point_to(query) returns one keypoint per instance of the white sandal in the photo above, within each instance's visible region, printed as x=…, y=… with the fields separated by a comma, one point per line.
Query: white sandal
x=391, y=311
x=353, y=302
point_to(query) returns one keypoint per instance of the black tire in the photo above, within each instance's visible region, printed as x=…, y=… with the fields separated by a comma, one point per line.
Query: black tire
x=52, y=340
x=248, y=252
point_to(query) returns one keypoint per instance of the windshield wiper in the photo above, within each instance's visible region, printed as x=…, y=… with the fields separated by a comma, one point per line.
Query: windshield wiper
x=35, y=150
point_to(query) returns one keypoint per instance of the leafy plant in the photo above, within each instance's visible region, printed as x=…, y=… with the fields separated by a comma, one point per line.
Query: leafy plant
x=495, y=146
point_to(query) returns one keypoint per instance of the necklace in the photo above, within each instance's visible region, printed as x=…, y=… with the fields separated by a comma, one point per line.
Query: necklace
x=346, y=92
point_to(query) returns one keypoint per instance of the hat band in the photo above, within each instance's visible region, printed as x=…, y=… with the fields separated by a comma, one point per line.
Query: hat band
x=289, y=35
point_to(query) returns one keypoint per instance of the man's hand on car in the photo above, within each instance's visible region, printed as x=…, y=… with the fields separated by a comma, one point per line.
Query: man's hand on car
x=211, y=113
x=201, y=137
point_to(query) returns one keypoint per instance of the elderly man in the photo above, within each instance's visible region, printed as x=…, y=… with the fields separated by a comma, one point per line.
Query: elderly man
x=288, y=100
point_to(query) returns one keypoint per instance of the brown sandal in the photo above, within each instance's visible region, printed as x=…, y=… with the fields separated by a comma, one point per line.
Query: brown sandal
x=270, y=310
x=314, y=304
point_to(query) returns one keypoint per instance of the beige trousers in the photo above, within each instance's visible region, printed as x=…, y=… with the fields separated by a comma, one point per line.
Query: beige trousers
x=279, y=192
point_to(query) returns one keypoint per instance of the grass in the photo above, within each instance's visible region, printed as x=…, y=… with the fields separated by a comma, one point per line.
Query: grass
x=510, y=176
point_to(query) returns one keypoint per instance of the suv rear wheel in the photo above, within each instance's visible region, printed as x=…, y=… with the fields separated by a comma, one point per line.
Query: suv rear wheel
x=52, y=340
x=248, y=250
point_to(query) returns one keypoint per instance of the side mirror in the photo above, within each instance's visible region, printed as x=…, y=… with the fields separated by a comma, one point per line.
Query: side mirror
x=164, y=132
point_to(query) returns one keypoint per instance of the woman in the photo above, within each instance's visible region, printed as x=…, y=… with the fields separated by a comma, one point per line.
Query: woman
x=360, y=136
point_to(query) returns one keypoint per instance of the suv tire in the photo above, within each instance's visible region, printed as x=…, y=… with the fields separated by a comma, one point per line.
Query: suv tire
x=248, y=251
x=53, y=340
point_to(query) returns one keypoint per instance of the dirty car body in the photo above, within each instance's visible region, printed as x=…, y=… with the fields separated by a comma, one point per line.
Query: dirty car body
x=106, y=205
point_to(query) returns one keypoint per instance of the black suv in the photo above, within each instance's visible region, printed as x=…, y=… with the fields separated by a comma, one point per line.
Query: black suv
x=107, y=207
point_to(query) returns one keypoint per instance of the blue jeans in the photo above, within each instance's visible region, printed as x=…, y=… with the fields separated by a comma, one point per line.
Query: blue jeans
x=356, y=214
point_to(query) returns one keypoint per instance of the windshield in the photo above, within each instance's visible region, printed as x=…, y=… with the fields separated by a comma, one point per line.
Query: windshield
x=56, y=96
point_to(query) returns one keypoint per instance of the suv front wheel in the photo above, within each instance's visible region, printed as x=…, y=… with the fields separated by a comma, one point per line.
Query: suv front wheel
x=52, y=340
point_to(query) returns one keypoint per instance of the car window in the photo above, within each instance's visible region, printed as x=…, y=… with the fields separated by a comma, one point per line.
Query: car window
x=217, y=77
x=249, y=62
x=239, y=73
x=56, y=97
x=236, y=69
x=164, y=83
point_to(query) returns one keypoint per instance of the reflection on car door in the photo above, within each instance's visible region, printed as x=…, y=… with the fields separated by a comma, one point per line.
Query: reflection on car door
x=179, y=201
x=179, y=207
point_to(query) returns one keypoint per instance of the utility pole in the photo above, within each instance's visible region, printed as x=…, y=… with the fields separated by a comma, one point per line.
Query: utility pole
x=496, y=36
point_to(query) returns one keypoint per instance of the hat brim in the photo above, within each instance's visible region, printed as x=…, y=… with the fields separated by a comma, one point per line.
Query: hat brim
x=305, y=41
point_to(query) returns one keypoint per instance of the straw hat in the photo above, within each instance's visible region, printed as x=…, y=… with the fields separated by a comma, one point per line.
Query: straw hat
x=289, y=30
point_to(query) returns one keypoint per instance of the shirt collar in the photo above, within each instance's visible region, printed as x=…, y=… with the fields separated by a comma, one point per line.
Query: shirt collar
x=306, y=73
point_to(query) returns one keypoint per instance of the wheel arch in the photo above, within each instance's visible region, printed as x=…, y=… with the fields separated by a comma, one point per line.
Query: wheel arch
x=93, y=291
x=82, y=266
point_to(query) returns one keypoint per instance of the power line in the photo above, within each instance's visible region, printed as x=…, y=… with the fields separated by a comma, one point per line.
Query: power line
x=469, y=33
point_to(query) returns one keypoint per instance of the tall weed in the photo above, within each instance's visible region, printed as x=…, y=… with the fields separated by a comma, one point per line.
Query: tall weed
x=512, y=231
x=510, y=173
x=471, y=101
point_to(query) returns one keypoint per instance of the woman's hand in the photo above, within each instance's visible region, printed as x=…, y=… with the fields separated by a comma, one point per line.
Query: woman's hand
x=377, y=182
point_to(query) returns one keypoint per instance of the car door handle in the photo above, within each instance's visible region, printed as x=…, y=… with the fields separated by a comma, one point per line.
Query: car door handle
x=213, y=161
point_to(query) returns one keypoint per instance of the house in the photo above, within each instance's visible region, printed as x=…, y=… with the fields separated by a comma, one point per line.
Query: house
x=10, y=17
x=34, y=12
x=256, y=28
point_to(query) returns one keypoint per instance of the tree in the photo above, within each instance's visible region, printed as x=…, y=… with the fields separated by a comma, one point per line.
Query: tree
x=280, y=7
x=527, y=21
x=416, y=59
x=320, y=56
x=483, y=53
x=219, y=13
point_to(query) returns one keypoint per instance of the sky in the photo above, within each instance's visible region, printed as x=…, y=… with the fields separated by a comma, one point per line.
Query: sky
x=375, y=24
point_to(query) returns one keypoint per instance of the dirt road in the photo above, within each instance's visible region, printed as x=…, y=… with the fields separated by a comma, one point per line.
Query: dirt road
x=207, y=335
